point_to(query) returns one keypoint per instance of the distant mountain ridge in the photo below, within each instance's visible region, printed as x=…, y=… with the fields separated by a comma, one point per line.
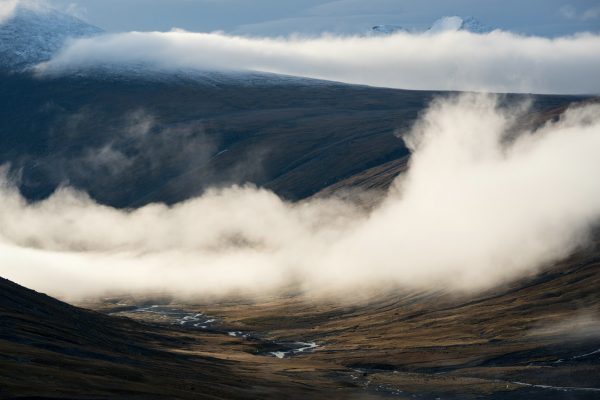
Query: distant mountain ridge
x=456, y=23
x=34, y=34
x=444, y=24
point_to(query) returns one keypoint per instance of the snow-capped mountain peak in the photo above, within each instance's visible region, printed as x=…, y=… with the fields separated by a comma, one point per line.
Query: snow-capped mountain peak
x=444, y=24
x=456, y=23
x=32, y=34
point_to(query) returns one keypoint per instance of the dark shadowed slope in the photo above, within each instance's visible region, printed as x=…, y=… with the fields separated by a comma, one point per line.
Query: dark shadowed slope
x=169, y=137
x=51, y=350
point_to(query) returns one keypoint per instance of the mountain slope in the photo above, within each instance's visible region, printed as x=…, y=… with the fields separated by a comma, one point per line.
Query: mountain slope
x=51, y=350
x=42, y=338
x=32, y=34
x=535, y=338
x=169, y=139
x=380, y=177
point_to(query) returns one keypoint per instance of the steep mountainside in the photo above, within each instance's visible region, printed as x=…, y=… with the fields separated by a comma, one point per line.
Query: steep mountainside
x=51, y=350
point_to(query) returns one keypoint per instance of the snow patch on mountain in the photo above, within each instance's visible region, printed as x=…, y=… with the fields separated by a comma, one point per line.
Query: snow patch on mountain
x=444, y=24
x=456, y=23
x=30, y=34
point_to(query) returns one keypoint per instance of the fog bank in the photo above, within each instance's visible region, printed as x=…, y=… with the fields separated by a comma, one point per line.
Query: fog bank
x=498, y=61
x=479, y=205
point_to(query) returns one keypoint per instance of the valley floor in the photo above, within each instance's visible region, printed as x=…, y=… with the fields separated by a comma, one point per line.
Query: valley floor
x=535, y=339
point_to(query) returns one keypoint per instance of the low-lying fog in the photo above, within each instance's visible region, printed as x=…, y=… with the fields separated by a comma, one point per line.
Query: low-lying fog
x=481, y=203
x=498, y=61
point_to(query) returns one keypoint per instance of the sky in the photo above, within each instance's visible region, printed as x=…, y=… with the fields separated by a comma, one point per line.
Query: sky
x=276, y=17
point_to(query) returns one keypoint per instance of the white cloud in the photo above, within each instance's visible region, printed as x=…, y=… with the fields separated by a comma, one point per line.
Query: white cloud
x=7, y=9
x=75, y=10
x=591, y=13
x=475, y=209
x=570, y=12
x=494, y=62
